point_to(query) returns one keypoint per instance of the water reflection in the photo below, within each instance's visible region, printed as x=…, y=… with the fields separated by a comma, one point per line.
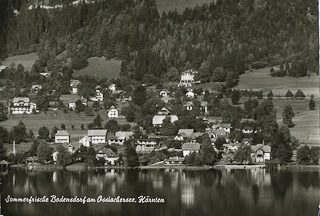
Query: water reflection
x=218, y=192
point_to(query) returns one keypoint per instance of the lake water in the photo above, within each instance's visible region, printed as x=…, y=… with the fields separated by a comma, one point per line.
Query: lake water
x=211, y=192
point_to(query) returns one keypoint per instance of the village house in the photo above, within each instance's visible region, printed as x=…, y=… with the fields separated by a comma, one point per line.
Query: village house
x=71, y=148
x=108, y=155
x=174, y=161
x=187, y=78
x=222, y=126
x=190, y=94
x=247, y=130
x=74, y=86
x=36, y=88
x=22, y=105
x=97, y=136
x=98, y=96
x=188, y=148
x=113, y=112
x=204, y=106
x=220, y=133
x=184, y=134
x=85, y=141
x=260, y=153
x=62, y=136
x=164, y=93
x=162, y=114
x=188, y=105
x=120, y=137
x=145, y=145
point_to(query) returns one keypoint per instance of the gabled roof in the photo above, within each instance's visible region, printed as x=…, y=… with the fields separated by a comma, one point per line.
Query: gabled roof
x=187, y=104
x=3, y=162
x=185, y=132
x=24, y=99
x=62, y=133
x=123, y=134
x=191, y=146
x=108, y=152
x=264, y=148
x=164, y=111
x=203, y=103
x=158, y=119
x=100, y=132
x=196, y=134
x=219, y=132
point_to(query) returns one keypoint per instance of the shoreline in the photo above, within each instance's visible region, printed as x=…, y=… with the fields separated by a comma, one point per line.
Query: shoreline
x=83, y=167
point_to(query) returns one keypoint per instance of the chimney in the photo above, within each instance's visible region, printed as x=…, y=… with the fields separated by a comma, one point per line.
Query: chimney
x=14, y=147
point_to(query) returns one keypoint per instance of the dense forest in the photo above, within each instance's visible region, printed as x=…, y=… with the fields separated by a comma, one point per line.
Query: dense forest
x=220, y=40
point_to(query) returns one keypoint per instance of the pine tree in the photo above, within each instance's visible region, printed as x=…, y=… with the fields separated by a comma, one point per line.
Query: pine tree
x=287, y=115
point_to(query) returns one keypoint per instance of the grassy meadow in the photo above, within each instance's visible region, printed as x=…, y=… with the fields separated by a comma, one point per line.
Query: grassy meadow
x=27, y=60
x=179, y=5
x=261, y=79
x=306, y=122
x=99, y=67
x=56, y=118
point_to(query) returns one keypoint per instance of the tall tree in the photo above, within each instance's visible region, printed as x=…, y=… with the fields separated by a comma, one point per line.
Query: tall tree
x=287, y=115
x=44, y=152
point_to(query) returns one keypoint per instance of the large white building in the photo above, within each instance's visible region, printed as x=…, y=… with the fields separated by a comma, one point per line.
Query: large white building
x=62, y=136
x=187, y=78
x=97, y=136
x=145, y=145
x=21, y=105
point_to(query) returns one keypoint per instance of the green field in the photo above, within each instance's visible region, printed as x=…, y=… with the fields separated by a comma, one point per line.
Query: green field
x=260, y=79
x=100, y=68
x=26, y=60
x=179, y=5
x=56, y=118
x=306, y=121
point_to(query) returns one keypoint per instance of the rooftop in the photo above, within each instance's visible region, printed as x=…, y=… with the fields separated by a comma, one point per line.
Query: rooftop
x=100, y=132
x=191, y=146
x=62, y=133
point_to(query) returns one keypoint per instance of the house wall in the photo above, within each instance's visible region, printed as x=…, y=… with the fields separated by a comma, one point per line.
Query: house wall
x=62, y=139
x=98, y=139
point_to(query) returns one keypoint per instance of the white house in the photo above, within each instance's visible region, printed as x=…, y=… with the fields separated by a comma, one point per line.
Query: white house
x=204, y=107
x=98, y=96
x=74, y=86
x=188, y=105
x=97, y=136
x=174, y=160
x=188, y=148
x=190, y=94
x=21, y=105
x=120, y=137
x=145, y=145
x=85, y=141
x=222, y=126
x=187, y=78
x=62, y=136
x=260, y=153
x=71, y=149
x=113, y=112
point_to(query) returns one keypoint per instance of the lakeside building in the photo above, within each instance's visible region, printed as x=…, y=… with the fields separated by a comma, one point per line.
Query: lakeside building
x=97, y=136
x=22, y=105
x=145, y=145
x=120, y=137
x=188, y=148
x=260, y=153
x=108, y=155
